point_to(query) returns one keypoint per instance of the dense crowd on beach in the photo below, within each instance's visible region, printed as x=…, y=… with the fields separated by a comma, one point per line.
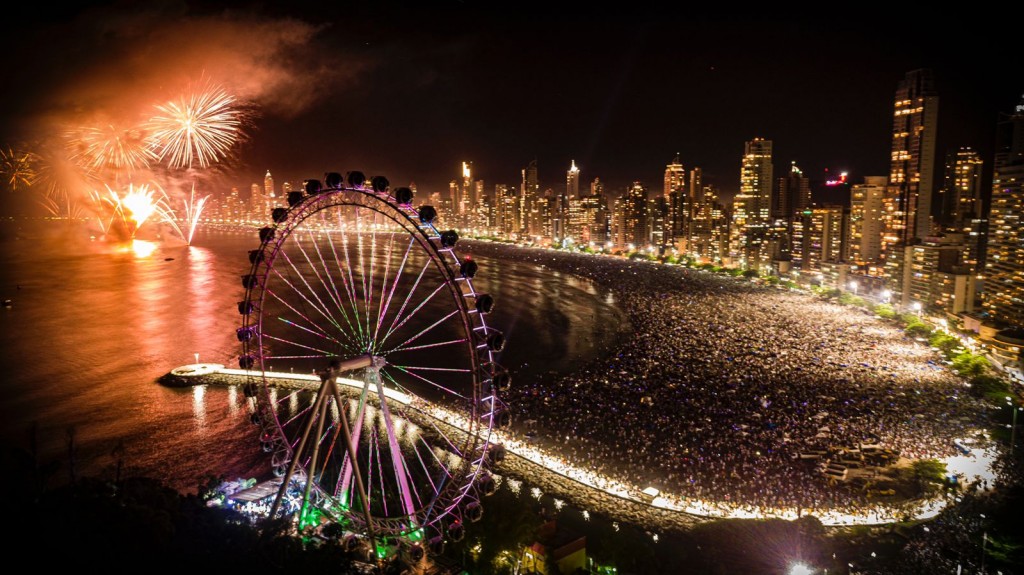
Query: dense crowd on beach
x=722, y=383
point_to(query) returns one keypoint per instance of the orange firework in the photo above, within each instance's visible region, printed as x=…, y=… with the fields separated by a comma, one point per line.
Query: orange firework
x=16, y=167
x=198, y=128
x=107, y=146
x=134, y=207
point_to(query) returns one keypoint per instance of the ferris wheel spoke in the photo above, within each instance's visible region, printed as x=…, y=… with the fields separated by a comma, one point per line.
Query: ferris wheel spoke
x=385, y=303
x=316, y=329
x=422, y=332
x=319, y=334
x=406, y=369
x=451, y=448
x=424, y=346
x=332, y=289
x=320, y=352
x=412, y=313
x=346, y=282
x=319, y=306
x=405, y=302
x=351, y=284
x=322, y=311
x=426, y=473
x=363, y=279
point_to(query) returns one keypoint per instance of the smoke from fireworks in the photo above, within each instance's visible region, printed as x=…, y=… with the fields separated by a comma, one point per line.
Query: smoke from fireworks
x=200, y=127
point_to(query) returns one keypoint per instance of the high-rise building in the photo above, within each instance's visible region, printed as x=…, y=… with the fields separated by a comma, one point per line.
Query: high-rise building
x=866, y=219
x=937, y=278
x=819, y=235
x=907, y=203
x=258, y=203
x=506, y=210
x=675, y=177
x=676, y=204
x=572, y=182
x=529, y=194
x=1003, y=295
x=631, y=216
x=752, y=206
x=792, y=195
x=595, y=225
x=756, y=180
x=268, y=185
x=597, y=188
x=960, y=195
x=912, y=161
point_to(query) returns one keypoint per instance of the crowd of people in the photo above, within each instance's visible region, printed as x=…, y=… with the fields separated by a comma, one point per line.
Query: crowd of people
x=721, y=384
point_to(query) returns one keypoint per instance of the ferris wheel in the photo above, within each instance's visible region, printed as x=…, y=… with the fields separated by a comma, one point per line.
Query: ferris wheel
x=371, y=367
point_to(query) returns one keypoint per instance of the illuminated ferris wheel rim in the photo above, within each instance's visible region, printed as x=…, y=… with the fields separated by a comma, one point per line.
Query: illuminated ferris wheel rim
x=481, y=340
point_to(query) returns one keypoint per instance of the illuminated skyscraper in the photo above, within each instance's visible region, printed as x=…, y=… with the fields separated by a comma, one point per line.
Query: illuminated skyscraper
x=572, y=182
x=675, y=204
x=792, y=195
x=961, y=189
x=1003, y=296
x=819, y=235
x=675, y=177
x=631, y=217
x=907, y=204
x=268, y=185
x=866, y=219
x=752, y=206
x=529, y=194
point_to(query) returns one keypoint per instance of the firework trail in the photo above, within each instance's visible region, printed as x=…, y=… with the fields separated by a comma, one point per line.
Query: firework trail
x=198, y=128
x=193, y=209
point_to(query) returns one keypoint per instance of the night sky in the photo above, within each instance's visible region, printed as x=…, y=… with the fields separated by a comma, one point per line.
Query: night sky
x=410, y=93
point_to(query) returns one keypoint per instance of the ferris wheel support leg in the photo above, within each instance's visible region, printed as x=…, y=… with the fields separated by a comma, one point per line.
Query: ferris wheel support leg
x=373, y=374
x=298, y=451
x=355, y=468
x=311, y=472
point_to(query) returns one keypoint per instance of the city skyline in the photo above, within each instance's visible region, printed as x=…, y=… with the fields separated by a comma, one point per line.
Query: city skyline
x=411, y=94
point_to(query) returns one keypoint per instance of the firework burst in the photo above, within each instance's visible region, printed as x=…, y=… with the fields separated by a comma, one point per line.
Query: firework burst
x=134, y=207
x=16, y=166
x=109, y=147
x=198, y=128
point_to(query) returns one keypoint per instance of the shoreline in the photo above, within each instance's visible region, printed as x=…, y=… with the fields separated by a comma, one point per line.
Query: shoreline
x=604, y=495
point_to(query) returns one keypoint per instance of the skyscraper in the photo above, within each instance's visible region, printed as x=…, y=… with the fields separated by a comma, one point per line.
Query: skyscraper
x=529, y=194
x=1003, y=296
x=572, y=182
x=676, y=204
x=752, y=206
x=907, y=204
x=268, y=185
x=866, y=219
x=792, y=195
x=632, y=218
x=961, y=189
x=912, y=161
x=675, y=177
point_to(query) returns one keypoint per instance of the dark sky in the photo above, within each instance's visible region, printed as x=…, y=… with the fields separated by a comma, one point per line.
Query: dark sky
x=411, y=92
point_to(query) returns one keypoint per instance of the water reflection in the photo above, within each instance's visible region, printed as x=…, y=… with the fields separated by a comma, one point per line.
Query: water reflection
x=199, y=405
